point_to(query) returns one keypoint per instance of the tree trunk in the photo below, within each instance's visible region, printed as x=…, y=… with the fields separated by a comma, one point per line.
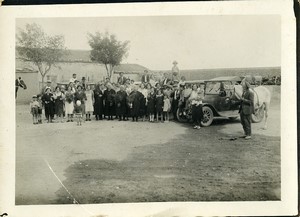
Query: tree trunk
x=107, y=71
x=111, y=69
x=43, y=77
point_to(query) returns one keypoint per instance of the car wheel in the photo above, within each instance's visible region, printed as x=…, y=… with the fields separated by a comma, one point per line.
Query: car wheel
x=208, y=116
x=259, y=114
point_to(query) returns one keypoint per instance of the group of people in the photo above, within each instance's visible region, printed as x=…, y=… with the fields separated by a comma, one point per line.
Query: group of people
x=121, y=100
x=125, y=99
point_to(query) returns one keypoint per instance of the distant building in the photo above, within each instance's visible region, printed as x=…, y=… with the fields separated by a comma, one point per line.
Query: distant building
x=131, y=71
x=74, y=61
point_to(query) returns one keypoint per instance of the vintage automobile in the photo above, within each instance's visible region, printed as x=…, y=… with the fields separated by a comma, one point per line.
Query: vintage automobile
x=219, y=100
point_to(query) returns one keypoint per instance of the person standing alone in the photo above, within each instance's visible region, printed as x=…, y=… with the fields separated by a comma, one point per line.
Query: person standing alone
x=246, y=109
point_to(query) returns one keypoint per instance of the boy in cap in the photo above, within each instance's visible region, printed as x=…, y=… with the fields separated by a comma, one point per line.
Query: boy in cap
x=34, y=109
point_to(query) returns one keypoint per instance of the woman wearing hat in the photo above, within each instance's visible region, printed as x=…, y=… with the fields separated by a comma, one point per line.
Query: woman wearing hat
x=246, y=109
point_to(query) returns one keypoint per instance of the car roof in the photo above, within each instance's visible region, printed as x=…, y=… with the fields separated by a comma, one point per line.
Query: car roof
x=226, y=78
x=194, y=82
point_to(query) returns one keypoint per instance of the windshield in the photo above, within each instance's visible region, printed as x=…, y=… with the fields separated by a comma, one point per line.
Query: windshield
x=214, y=87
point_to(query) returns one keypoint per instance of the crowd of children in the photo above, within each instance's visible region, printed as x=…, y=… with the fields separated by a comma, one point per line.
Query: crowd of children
x=106, y=100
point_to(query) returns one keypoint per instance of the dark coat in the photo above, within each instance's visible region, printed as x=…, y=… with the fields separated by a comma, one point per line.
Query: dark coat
x=80, y=96
x=146, y=78
x=48, y=102
x=135, y=99
x=121, y=80
x=109, y=99
x=120, y=102
x=246, y=106
x=175, y=95
x=159, y=103
x=151, y=103
x=98, y=106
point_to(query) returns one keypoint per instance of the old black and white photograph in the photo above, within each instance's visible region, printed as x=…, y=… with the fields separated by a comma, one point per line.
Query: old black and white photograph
x=148, y=108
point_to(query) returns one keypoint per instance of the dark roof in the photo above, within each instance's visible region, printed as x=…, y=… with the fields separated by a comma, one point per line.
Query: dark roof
x=129, y=68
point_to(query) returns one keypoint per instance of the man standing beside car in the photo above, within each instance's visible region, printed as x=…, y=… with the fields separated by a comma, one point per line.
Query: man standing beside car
x=246, y=109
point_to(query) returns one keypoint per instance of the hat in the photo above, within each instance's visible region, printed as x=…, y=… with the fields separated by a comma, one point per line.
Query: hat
x=34, y=96
x=83, y=78
x=175, y=62
x=47, y=88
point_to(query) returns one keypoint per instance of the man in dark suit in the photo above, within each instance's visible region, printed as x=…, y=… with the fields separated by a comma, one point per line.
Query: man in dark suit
x=246, y=109
x=175, y=100
x=146, y=77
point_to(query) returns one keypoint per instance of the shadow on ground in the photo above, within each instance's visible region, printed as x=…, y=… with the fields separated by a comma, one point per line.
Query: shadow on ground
x=197, y=166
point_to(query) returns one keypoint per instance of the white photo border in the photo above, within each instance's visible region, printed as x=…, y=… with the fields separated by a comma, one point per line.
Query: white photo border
x=289, y=189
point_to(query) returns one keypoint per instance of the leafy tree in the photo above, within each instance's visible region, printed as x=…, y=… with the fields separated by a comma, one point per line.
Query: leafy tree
x=107, y=50
x=34, y=45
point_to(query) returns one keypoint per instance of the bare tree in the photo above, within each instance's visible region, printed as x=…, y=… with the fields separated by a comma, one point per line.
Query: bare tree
x=107, y=50
x=34, y=45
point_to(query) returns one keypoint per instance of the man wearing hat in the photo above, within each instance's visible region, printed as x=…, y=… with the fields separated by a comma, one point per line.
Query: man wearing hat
x=48, y=85
x=175, y=100
x=246, y=109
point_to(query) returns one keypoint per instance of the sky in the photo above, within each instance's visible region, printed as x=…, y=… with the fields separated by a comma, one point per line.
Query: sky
x=195, y=42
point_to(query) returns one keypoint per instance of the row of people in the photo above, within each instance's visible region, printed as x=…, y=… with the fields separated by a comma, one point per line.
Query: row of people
x=121, y=101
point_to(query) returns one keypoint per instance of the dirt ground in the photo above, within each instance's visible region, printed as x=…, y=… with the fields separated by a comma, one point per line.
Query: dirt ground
x=112, y=161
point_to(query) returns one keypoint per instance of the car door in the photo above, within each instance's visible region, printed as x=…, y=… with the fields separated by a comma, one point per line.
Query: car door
x=227, y=105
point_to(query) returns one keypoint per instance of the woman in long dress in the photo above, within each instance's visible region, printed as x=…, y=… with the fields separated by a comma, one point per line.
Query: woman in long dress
x=134, y=99
x=151, y=104
x=98, y=105
x=80, y=95
x=59, y=103
x=143, y=106
x=109, y=97
x=89, y=104
x=121, y=103
x=69, y=103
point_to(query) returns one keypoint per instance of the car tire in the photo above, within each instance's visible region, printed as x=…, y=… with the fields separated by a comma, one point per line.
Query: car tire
x=208, y=116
